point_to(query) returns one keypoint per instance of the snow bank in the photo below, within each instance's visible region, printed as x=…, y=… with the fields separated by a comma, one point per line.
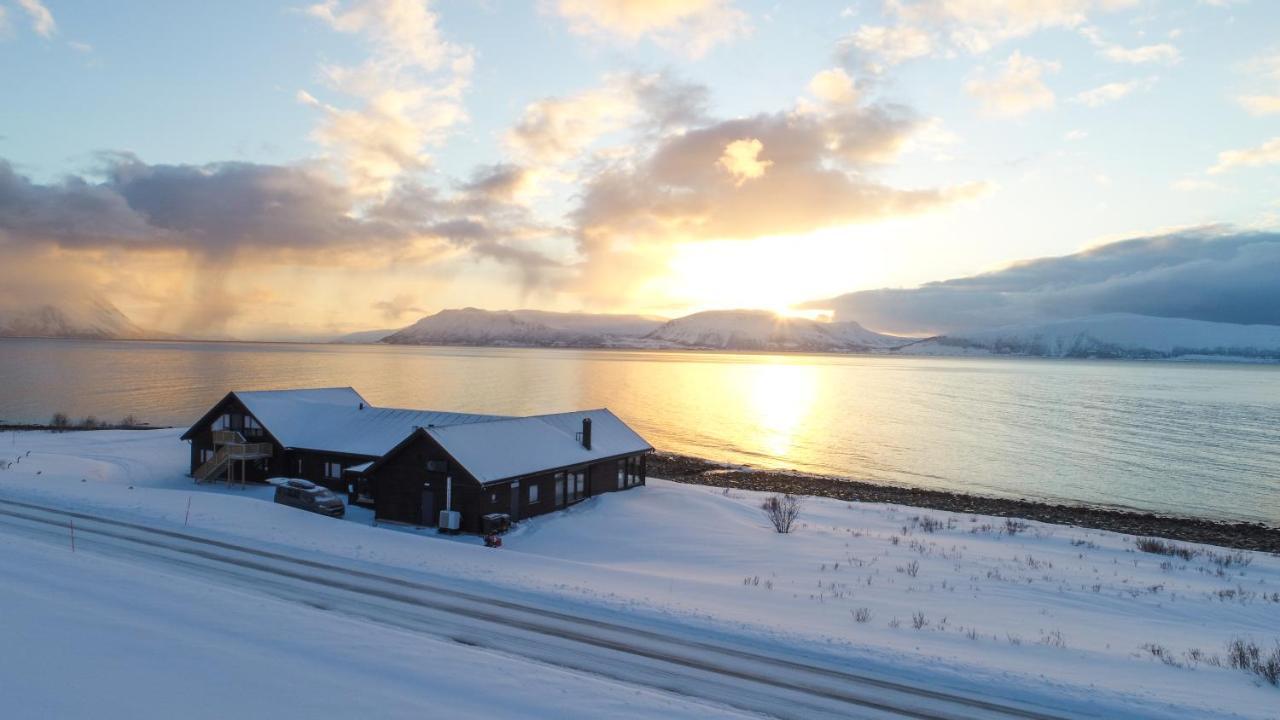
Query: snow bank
x=1077, y=616
x=87, y=636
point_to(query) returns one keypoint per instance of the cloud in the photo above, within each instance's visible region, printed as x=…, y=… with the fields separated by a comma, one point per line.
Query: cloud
x=1110, y=92
x=396, y=307
x=554, y=130
x=1268, y=153
x=1017, y=89
x=1161, y=53
x=892, y=45
x=408, y=93
x=41, y=19
x=1207, y=274
x=924, y=27
x=692, y=26
x=815, y=178
x=1164, y=53
x=1267, y=69
x=1261, y=104
x=741, y=159
x=220, y=216
x=833, y=86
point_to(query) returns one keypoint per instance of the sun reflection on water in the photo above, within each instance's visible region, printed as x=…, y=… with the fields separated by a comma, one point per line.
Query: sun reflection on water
x=780, y=400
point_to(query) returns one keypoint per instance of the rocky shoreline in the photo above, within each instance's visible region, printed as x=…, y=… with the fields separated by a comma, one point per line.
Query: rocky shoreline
x=1244, y=536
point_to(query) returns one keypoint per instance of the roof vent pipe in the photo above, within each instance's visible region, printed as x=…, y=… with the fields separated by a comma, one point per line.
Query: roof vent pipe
x=586, y=433
x=361, y=406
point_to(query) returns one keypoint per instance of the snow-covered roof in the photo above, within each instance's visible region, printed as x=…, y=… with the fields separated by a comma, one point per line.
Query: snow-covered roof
x=340, y=420
x=490, y=447
x=515, y=447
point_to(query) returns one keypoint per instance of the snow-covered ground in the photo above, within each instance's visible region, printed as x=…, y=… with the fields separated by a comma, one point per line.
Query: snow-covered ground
x=1074, y=618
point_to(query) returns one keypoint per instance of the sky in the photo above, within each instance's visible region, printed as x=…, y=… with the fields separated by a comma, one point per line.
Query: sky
x=304, y=169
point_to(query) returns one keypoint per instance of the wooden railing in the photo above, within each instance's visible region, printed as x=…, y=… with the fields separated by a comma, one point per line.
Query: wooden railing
x=227, y=437
x=249, y=451
x=233, y=447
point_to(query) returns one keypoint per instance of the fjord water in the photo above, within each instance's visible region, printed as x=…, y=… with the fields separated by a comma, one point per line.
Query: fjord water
x=1190, y=439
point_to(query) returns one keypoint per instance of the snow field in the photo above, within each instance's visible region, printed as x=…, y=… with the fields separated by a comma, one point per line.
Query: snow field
x=1080, y=617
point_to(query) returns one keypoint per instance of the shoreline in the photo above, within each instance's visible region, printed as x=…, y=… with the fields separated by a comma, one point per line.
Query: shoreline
x=697, y=471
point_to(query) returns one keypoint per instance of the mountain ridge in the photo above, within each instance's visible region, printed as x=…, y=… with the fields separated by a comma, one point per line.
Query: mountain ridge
x=1111, y=335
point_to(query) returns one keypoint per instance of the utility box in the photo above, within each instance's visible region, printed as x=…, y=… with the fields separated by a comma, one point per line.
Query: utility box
x=495, y=523
x=450, y=521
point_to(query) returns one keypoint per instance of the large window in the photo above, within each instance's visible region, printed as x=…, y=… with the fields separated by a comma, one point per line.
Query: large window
x=632, y=470
x=205, y=456
x=251, y=427
x=570, y=487
x=333, y=471
x=577, y=483
x=533, y=494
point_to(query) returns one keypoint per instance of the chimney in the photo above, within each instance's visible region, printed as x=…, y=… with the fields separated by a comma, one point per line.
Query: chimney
x=586, y=433
x=361, y=406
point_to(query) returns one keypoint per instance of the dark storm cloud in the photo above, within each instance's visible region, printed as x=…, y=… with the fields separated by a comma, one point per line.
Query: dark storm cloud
x=222, y=214
x=217, y=208
x=1205, y=274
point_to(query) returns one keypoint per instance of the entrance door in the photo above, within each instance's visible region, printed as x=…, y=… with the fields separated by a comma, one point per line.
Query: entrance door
x=515, y=501
x=429, y=515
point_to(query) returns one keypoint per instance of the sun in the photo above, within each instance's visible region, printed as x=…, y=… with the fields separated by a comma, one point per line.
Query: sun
x=778, y=274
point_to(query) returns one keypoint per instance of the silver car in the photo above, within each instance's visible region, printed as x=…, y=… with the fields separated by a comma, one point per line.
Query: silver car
x=306, y=495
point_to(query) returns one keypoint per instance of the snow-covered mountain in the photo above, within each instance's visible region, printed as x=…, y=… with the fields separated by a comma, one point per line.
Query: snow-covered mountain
x=763, y=330
x=524, y=328
x=92, y=318
x=1118, y=335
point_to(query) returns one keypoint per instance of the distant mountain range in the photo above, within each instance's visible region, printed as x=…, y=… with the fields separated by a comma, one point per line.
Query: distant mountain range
x=713, y=330
x=1116, y=335
x=1102, y=336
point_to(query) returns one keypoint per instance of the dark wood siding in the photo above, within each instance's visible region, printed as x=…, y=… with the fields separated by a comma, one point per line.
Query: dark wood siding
x=400, y=481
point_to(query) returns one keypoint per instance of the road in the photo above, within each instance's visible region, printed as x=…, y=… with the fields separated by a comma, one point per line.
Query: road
x=746, y=679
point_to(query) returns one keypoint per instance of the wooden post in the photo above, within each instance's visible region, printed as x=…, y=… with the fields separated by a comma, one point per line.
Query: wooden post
x=187, y=520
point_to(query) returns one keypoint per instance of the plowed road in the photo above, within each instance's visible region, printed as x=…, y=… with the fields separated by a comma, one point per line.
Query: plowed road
x=750, y=680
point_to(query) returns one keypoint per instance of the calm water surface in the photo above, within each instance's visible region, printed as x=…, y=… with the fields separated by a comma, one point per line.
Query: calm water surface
x=1190, y=439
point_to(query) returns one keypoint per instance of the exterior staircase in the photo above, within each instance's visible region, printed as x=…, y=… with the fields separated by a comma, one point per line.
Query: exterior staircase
x=231, y=446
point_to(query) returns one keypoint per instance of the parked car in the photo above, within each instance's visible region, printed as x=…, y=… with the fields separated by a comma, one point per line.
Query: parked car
x=306, y=495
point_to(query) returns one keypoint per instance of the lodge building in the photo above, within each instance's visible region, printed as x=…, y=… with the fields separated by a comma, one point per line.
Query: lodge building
x=409, y=465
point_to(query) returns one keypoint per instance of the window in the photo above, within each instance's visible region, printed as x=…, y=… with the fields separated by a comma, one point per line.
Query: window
x=222, y=423
x=299, y=473
x=533, y=494
x=577, y=484
x=333, y=471
x=205, y=456
x=559, y=489
x=631, y=470
x=251, y=427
